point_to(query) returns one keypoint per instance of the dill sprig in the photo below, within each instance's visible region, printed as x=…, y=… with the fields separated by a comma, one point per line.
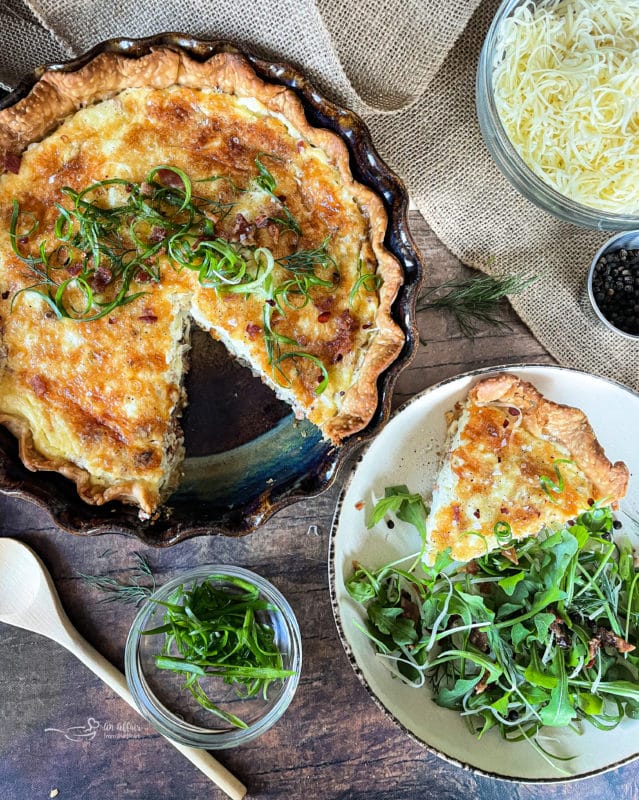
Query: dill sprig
x=475, y=301
x=131, y=593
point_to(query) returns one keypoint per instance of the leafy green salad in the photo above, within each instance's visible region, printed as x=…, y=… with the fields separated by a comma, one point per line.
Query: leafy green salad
x=541, y=632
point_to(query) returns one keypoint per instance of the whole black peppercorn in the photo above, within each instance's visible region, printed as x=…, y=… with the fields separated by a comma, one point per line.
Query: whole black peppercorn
x=615, y=288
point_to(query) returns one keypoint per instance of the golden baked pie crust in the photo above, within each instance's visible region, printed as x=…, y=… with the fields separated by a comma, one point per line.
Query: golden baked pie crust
x=502, y=440
x=563, y=425
x=59, y=94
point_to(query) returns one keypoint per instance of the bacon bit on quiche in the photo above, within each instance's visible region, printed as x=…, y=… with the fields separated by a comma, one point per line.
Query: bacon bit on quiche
x=261, y=221
x=456, y=513
x=38, y=384
x=11, y=162
x=342, y=343
x=148, y=316
x=102, y=278
x=324, y=302
x=243, y=230
x=144, y=458
x=274, y=231
x=157, y=234
x=170, y=178
x=324, y=316
x=253, y=330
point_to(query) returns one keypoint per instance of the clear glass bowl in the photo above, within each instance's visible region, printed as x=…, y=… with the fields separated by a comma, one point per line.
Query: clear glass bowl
x=160, y=696
x=510, y=162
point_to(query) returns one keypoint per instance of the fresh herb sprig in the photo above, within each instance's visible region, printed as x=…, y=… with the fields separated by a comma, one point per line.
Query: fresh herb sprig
x=102, y=249
x=266, y=182
x=369, y=281
x=476, y=301
x=139, y=586
x=219, y=628
x=543, y=635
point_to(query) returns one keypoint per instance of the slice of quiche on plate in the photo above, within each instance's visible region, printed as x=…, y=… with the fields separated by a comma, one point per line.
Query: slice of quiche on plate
x=514, y=463
x=452, y=437
x=139, y=196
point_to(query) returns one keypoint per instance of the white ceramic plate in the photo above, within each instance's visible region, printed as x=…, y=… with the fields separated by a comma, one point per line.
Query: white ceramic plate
x=407, y=452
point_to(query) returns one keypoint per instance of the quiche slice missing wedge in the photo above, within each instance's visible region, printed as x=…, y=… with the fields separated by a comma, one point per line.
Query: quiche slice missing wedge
x=142, y=195
x=515, y=462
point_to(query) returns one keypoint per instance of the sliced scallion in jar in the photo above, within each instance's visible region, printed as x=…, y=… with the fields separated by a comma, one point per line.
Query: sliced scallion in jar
x=218, y=628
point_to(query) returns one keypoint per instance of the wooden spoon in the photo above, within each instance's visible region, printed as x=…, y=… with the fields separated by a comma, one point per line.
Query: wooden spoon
x=28, y=599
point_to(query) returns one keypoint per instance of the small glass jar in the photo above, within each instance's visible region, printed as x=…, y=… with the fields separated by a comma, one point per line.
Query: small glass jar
x=508, y=159
x=170, y=708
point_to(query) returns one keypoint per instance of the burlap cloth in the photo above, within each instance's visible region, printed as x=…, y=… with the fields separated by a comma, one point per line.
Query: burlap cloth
x=408, y=67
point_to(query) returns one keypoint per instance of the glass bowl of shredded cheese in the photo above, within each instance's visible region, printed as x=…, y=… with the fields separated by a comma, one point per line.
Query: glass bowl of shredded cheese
x=558, y=106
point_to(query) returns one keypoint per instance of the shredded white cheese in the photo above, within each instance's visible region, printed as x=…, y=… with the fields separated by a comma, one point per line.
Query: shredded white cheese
x=566, y=84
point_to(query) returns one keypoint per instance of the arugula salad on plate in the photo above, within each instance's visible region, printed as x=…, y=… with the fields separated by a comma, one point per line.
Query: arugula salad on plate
x=540, y=633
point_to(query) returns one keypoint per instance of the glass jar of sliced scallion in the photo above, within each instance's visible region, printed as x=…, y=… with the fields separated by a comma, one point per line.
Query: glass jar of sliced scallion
x=213, y=658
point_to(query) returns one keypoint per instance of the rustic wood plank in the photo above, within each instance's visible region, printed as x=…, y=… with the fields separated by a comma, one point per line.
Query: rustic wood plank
x=333, y=742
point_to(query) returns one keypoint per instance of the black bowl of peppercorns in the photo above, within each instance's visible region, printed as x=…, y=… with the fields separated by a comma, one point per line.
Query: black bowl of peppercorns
x=613, y=284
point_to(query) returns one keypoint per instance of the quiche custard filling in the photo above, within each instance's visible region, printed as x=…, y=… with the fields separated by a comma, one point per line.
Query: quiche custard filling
x=160, y=205
x=515, y=463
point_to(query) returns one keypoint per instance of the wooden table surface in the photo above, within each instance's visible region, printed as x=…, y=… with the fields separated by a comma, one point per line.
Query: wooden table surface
x=333, y=742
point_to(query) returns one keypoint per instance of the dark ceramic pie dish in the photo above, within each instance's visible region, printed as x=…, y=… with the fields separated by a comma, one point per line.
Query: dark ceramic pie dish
x=246, y=455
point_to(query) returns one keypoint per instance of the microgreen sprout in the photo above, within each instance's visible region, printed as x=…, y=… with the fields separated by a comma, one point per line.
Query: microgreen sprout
x=541, y=636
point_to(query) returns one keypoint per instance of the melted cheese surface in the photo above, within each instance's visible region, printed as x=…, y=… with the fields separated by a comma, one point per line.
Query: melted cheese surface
x=494, y=472
x=102, y=394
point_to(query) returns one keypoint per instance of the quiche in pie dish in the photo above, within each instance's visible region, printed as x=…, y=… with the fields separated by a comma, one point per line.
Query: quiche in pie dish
x=141, y=195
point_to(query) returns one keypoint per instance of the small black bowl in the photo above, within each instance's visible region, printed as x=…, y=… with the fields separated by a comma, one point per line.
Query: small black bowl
x=246, y=455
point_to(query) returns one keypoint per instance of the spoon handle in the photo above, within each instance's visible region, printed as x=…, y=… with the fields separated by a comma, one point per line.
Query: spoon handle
x=90, y=657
